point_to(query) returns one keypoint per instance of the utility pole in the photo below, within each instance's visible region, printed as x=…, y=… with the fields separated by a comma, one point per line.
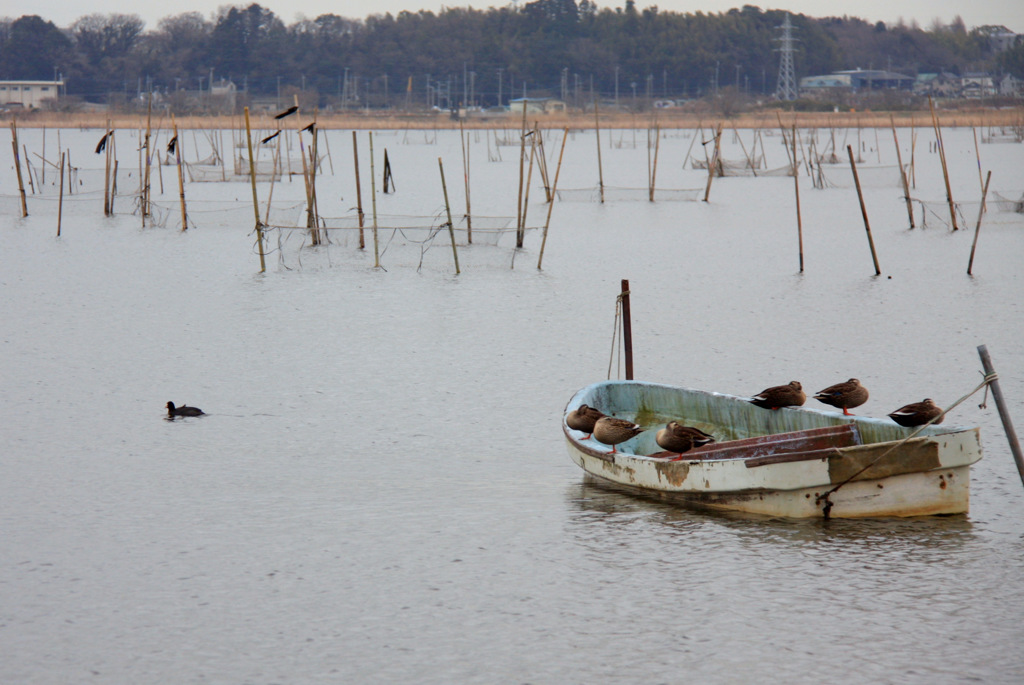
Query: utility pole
x=501, y=82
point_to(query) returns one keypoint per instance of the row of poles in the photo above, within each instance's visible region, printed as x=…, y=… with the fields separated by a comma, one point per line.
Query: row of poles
x=904, y=182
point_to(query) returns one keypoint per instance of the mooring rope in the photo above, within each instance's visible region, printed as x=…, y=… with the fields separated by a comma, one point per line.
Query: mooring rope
x=616, y=337
x=986, y=380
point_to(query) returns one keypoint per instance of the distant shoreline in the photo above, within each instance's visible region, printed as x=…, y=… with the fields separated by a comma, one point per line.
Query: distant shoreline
x=663, y=118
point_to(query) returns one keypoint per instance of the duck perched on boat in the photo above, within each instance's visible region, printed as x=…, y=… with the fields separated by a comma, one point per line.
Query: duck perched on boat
x=583, y=419
x=778, y=396
x=611, y=431
x=917, y=413
x=844, y=395
x=183, y=410
x=677, y=438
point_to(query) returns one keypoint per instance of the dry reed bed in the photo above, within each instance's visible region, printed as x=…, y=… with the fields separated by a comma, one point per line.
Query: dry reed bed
x=663, y=118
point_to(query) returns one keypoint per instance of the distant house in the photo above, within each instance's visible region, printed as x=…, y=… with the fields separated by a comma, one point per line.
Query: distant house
x=976, y=86
x=824, y=86
x=29, y=94
x=536, y=105
x=224, y=95
x=944, y=85
x=874, y=79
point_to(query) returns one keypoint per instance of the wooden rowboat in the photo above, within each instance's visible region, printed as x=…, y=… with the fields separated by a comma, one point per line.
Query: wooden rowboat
x=794, y=462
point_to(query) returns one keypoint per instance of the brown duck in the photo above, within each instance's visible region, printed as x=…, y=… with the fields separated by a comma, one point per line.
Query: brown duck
x=612, y=431
x=778, y=396
x=844, y=395
x=677, y=438
x=583, y=419
x=917, y=413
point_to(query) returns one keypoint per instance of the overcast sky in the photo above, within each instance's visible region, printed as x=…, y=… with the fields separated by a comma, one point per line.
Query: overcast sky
x=1009, y=13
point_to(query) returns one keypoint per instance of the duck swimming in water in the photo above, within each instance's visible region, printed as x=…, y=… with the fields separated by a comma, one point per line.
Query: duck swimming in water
x=183, y=410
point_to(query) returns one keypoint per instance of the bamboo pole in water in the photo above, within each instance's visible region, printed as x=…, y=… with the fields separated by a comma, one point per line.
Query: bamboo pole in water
x=977, y=228
x=945, y=169
x=373, y=201
x=273, y=181
x=521, y=233
x=17, y=166
x=977, y=156
x=146, y=160
x=522, y=163
x=1004, y=413
x=465, y=180
x=750, y=160
x=796, y=188
x=654, y=169
x=448, y=209
x=60, y=201
x=863, y=210
x=359, y=192
x=713, y=164
x=554, y=191
x=28, y=168
x=903, y=174
x=600, y=170
x=181, y=178
x=255, y=199
x=106, y=169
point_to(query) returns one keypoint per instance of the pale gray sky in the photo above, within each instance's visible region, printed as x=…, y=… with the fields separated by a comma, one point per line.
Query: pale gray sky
x=1009, y=13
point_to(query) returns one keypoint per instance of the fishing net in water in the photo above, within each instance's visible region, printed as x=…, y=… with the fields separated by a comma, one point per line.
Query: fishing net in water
x=222, y=214
x=618, y=194
x=403, y=239
x=885, y=176
x=404, y=229
x=1002, y=203
x=998, y=210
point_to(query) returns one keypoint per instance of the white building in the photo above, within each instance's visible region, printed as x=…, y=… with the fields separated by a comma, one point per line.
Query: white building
x=29, y=94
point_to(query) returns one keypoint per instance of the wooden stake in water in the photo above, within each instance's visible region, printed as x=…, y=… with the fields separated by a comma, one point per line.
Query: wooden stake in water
x=977, y=156
x=448, y=209
x=627, y=329
x=60, y=202
x=108, y=149
x=977, y=228
x=863, y=210
x=799, y=221
x=373, y=201
x=147, y=161
x=181, y=178
x=17, y=166
x=554, y=192
x=465, y=179
x=1004, y=414
x=654, y=166
x=903, y=173
x=359, y=192
x=597, y=133
x=945, y=169
x=713, y=164
x=255, y=199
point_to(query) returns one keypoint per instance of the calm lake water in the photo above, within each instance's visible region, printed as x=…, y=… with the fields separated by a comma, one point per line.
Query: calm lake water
x=380, y=491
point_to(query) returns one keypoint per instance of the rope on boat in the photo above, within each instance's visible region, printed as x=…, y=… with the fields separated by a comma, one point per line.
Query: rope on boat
x=986, y=380
x=616, y=336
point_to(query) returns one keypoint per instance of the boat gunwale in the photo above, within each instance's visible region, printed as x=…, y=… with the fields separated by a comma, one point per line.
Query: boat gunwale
x=840, y=419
